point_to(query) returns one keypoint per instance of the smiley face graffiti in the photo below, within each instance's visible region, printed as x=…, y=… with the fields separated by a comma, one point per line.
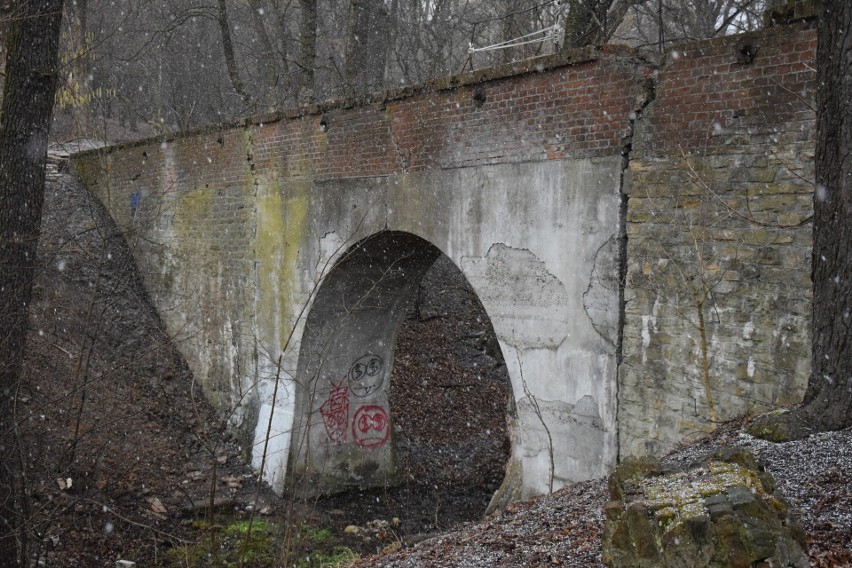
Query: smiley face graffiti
x=366, y=375
x=370, y=426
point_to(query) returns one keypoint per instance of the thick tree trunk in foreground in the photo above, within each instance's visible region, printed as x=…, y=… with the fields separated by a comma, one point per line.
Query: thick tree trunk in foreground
x=829, y=397
x=588, y=22
x=28, y=95
x=828, y=400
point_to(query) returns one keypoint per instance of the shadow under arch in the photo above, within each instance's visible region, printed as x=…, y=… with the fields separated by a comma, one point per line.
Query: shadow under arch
x=396, y=352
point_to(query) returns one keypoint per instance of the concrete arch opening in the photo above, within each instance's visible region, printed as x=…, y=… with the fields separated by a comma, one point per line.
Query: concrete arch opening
x=401, y=392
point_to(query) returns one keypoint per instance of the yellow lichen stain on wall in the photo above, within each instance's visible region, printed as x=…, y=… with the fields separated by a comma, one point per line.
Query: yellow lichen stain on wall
x=281, y=225
x=192, y=213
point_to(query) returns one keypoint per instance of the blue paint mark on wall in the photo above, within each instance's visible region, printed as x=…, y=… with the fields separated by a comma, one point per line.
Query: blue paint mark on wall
x=134, y=203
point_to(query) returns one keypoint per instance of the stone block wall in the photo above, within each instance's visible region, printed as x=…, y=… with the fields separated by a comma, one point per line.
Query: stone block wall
x=718, y=290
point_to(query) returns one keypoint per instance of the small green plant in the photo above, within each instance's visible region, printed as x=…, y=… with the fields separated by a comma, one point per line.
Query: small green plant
x=257, y=544
x=310, y=546
x=228, y=545
x=241, y=527
x=315, y=534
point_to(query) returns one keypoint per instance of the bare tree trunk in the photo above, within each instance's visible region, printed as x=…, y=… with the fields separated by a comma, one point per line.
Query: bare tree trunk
x=290, y=90
x=828, y=400
x=78, y=30
x=28, y=94
x=77, y=20
x=390, y=41
x=365, y=56
x=589, y=23
x=230, y=56
x=512, y=27
x=829, y=396
x=307, y=50
x=273, y=84
x=579, y=23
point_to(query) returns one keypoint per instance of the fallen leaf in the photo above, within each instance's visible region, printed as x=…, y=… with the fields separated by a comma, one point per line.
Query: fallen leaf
x=157, y=506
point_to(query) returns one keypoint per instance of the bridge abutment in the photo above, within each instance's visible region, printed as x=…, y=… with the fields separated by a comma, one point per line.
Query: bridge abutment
x=611, y=349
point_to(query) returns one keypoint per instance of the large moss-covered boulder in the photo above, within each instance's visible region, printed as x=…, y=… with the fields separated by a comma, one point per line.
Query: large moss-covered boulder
x=782, y=425
x=721, y=511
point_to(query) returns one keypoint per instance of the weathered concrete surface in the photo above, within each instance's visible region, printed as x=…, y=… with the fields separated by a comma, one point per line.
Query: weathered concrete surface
x=528, y=261
x=527, y=281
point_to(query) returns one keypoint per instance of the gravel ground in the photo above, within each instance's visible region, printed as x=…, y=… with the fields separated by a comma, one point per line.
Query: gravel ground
x=565, y=529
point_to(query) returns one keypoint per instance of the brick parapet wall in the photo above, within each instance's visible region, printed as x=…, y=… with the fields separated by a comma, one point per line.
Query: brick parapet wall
x=532, y=91
x=552, y=114
x=546, y=110
x=716, y=95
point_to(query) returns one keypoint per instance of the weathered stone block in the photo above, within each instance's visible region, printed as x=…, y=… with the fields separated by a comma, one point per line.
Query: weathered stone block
x=721, y=511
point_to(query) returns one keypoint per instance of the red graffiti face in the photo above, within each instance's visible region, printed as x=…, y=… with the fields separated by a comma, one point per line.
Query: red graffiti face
x=370, y=426
x=335, y=414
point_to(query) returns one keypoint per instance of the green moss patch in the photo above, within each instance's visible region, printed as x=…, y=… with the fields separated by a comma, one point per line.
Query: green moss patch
x=258, y=544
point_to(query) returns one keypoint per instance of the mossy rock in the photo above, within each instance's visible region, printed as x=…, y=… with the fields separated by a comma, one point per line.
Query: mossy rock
x=781, y=426
x=630, y=471
x=720, y=511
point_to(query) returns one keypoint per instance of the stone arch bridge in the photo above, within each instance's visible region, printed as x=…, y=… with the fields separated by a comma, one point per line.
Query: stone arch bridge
x=635, y=226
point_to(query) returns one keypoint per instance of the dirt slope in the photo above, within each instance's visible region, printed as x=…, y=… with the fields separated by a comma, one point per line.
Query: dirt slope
x=120, y=448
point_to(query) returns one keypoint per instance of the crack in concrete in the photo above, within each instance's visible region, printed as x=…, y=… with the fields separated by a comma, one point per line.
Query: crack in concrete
x=598, y=279
x=648, y=95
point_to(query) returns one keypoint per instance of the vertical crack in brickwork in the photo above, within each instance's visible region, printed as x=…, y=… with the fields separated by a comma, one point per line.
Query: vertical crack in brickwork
x=645, y=98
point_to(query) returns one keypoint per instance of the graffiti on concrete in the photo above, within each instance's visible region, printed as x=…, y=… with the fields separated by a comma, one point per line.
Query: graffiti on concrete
x=370, y=426
x=335, y=414
x=365, y=375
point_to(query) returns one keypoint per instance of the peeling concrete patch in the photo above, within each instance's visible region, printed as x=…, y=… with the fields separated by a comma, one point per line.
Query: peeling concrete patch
x=330, y=244
x=584, y=411
x=576, y=432
x=527, y=304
